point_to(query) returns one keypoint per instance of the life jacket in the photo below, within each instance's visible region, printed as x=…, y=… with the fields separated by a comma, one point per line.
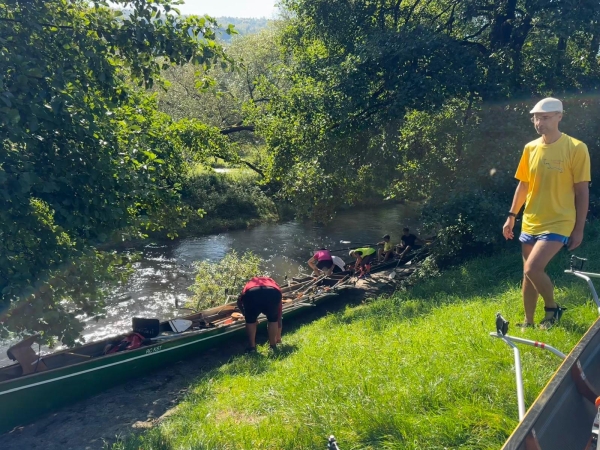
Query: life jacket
x=365, y=251
x=129, y=342
x=260, y=282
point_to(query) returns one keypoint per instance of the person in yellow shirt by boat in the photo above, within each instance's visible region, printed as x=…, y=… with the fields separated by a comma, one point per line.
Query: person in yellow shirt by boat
x=554, y=175
x=364, y=256
x=385, y=249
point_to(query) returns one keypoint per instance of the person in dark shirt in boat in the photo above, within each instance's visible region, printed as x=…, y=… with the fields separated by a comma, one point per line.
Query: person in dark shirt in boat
x=385, y=250
x=409, y=242
x=364, y=256
x=261, y=295
x=321, y=261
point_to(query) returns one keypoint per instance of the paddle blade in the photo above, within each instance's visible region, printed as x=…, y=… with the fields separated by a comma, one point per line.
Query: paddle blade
x=180, y=325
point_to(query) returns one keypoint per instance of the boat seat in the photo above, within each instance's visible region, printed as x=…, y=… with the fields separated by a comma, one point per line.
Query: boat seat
x=26, y=356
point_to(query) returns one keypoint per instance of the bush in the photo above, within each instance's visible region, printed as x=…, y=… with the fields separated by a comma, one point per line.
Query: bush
x=215, y=281
x=227, y=201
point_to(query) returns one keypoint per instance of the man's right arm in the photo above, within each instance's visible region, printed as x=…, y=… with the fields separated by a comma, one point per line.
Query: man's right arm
x=517, y=203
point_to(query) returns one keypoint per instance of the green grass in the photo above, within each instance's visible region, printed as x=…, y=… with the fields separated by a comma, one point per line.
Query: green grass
x=416, y=370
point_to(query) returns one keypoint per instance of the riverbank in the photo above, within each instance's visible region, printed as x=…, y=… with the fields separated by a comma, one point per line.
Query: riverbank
x=145, y=402
x=233, y=199
x=378, y=375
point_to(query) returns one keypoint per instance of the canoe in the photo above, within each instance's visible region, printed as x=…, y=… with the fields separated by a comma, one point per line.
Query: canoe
x=562, y=416
x=411, y=257
x=63, y=377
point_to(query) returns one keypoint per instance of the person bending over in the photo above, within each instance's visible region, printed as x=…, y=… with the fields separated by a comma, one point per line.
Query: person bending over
x=261, y=295
x=321, y=261
x=364, y=256
x=408, y=242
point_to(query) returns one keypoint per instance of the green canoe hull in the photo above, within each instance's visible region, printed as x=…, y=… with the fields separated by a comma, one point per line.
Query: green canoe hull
x=26, y=398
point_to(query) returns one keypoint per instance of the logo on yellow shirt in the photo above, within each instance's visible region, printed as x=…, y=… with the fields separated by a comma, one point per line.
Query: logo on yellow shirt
x=554, y=164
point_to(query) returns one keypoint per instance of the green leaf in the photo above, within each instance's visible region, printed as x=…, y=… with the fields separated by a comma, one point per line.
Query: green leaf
x=35, y=72
x=231, y=29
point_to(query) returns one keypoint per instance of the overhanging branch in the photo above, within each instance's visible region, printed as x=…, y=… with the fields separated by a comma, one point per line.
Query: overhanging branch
x=237, y=129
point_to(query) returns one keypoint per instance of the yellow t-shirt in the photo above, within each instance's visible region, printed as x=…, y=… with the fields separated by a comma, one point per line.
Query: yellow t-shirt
x=551, y=170
x=387, y=246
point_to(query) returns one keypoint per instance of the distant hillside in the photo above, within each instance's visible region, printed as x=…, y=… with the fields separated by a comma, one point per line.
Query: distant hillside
x=243, y=26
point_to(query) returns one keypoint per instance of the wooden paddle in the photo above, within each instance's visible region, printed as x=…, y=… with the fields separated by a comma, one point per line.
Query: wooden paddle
x=319, y=278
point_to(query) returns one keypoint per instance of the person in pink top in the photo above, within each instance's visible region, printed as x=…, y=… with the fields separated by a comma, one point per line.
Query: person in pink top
x=321, y=262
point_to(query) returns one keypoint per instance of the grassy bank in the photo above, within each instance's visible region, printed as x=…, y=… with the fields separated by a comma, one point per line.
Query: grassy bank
x=412, y=371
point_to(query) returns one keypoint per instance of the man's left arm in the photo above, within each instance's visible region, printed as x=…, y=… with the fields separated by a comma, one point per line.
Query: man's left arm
x=581, y=178
x=582, y=203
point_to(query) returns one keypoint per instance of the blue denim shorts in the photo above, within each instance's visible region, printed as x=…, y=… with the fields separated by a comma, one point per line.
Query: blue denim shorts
x=530, y=239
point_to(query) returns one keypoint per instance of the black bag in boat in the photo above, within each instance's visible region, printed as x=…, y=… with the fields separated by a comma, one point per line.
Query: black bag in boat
x=148, y=328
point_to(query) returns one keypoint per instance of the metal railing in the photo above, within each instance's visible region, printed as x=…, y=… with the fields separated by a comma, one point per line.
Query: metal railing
x=576, y=269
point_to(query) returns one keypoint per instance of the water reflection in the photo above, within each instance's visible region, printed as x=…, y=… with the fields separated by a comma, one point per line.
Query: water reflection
x=165, y=271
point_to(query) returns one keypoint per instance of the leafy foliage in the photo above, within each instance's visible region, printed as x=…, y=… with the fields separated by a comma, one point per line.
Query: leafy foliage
x=243, y=25
x=215, y=281
x=85, y=157
x=360, y=74
x=464, y=171
x=224, y=103
x=227, y=202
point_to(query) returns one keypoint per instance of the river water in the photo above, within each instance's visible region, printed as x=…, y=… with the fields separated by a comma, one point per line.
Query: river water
x=166, y=269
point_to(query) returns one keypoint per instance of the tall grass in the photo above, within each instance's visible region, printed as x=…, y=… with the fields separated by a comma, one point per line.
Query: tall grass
x=416, y=370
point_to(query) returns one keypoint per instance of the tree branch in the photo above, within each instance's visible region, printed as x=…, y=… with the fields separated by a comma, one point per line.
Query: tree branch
x=253, y=167
x=479, y=46
x=483, y=28
x=243, y=161
x=237, y=129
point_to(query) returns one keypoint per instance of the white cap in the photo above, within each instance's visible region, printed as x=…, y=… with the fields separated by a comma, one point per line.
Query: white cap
x=548, y=105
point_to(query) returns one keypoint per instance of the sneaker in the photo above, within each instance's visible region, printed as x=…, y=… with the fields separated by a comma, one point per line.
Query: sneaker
x=250, y=350
x=525, y=325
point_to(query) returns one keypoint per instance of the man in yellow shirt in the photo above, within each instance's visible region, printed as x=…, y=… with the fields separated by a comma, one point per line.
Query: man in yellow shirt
x=554, y=176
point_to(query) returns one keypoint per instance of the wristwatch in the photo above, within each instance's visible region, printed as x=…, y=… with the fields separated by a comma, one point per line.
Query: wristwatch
x=511, y=214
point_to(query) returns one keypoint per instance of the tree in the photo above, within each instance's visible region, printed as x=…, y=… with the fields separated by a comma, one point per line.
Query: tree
x=356, y=72
x=85, y=159
x=224, y=103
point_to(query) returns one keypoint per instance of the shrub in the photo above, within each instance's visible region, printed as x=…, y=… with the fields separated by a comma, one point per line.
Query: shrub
x=215, y=281
x=227, y=201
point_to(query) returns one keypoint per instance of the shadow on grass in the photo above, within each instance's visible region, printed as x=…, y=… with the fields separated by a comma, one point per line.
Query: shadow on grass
x=573, y=327
x=283, y=351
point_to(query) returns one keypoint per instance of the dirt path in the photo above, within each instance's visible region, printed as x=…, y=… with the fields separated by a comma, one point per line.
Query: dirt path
x=139, y=404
